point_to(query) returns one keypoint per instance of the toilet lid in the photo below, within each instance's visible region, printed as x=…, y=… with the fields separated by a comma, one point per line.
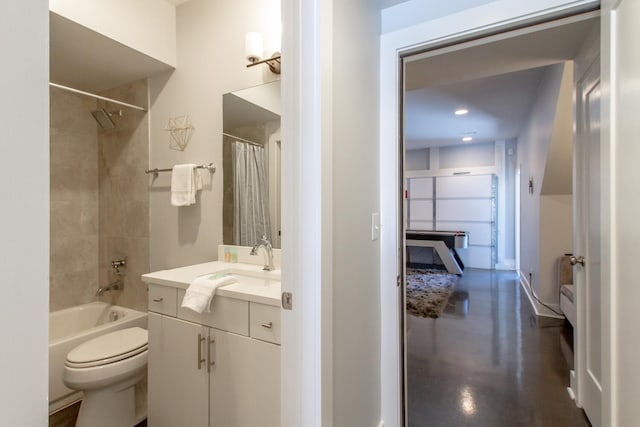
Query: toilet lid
x=109, y=348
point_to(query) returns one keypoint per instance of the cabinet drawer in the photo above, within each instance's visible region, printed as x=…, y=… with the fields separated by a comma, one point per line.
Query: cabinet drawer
x=227, y=314
x=264, y=322
x=163, y=299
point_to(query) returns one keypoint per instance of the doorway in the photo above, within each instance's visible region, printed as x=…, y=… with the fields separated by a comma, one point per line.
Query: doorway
x=444, y=67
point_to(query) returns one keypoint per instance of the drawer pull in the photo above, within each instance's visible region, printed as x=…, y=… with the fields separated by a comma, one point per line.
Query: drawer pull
x=267, y=325
x=158, y=299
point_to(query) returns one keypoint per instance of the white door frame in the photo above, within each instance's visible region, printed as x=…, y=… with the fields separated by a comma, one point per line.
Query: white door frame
x=477, y=22
x=303, y=369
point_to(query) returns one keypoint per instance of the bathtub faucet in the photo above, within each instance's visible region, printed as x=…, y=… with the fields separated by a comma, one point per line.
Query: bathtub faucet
x=268, y=252
x=117, y=264
x=114, y=286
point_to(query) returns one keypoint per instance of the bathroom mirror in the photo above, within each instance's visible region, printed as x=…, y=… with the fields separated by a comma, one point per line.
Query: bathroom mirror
x=251, y=165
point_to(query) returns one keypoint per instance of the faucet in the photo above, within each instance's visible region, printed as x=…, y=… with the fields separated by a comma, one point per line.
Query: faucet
x=113, y=286
x=119, y=263
x=268, y=252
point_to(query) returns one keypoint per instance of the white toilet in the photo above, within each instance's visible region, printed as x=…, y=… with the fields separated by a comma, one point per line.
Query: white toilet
x=106, y=369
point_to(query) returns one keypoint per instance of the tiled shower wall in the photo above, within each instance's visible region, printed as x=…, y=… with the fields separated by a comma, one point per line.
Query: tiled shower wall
x=74, y=200
x=123, y=157
x=99, y=199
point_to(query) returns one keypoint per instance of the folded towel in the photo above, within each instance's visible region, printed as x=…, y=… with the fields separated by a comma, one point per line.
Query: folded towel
x=185, y=182
x=200, y=292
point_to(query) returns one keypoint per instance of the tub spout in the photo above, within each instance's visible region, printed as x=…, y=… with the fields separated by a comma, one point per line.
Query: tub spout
x=113, y=286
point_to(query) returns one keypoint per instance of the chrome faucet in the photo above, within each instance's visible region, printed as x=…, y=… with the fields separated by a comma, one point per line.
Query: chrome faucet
x=113, y=286
x=268, y=252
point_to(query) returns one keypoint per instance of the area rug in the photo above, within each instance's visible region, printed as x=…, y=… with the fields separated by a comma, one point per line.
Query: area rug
x=428, y=291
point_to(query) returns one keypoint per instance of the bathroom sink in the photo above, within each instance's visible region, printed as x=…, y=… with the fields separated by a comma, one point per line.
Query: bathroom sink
x=255, y=279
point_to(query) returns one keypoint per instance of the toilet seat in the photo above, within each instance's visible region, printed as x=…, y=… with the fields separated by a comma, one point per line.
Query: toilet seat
x=109, y=348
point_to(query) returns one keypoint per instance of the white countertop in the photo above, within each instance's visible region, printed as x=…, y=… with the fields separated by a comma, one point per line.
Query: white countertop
x=265, y=290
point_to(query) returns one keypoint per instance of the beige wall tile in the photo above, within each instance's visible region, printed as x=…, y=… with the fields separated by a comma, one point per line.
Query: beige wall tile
x=71, y=111
x=99, y=199
x=124, y=197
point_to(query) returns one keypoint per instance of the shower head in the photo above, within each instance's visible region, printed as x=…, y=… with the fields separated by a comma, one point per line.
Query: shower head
x=105, y=118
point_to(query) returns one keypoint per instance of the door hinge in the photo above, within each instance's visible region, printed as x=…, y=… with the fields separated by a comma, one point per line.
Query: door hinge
x=398, y=281
x=287, y=300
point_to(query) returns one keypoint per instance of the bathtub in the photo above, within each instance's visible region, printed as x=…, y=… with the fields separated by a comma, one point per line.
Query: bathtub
x=71, y=327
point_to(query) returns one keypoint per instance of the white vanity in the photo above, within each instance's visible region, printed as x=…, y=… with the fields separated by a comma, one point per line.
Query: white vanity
x=220, y=368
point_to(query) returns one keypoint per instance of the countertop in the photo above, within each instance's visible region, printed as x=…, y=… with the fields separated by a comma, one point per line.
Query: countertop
x=253, y=284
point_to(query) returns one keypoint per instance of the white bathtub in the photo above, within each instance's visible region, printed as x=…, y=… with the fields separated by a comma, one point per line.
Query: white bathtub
x=71, y=327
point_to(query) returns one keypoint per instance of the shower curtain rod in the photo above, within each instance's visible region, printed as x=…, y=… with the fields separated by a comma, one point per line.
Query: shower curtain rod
x=93, y=95
x=243, y=140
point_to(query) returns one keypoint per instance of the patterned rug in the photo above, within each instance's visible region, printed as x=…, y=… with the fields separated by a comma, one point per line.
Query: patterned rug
x=428, y=291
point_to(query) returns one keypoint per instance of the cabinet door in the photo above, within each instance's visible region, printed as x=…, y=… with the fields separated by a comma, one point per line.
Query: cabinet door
x=178, y=389
x=245, y=382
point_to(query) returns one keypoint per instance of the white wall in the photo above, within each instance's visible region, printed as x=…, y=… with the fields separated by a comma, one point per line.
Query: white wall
x=418, y=11
x=211, y=62
x=417, y=160
x=24, y=246
x=148, y=26
x=546, y=121
x=354, y=172
x=556, y=239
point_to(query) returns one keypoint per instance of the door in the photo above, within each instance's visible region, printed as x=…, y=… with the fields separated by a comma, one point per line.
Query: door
x=245, y=381
x=178, y=378
x=588, y=241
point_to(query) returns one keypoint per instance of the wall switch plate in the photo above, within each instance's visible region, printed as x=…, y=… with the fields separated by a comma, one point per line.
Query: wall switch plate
x=375, y=226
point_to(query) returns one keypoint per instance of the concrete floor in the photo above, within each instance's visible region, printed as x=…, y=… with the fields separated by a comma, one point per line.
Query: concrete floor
x=488, y=361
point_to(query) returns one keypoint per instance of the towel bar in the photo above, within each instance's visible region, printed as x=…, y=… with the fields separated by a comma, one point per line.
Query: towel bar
x=211, y=167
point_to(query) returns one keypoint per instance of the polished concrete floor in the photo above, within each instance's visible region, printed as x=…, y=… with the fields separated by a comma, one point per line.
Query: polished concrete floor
x=488, y=361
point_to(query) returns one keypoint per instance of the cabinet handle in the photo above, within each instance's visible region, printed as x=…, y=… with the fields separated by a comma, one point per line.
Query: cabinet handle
x=210, y=361
x=158, y=299
x=200, y=359
x=267, y=325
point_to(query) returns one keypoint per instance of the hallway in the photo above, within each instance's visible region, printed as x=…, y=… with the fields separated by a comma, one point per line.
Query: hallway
x=488, y=361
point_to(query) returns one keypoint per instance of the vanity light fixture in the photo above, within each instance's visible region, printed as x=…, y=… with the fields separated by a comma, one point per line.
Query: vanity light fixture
x=461, y=112
x=254, y=51
x=467, y=139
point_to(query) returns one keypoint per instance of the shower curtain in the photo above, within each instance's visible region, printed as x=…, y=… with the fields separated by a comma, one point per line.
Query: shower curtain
x=251, y=194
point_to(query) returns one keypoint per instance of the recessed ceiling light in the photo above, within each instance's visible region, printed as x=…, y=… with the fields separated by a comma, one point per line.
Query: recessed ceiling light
x=467, y=139
x=461, y=112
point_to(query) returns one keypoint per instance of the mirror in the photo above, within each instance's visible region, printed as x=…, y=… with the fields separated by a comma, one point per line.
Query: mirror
x=251, y=165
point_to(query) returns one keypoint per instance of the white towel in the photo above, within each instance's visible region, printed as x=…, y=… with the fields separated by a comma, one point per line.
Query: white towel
x=185, y=182
x=200, y=292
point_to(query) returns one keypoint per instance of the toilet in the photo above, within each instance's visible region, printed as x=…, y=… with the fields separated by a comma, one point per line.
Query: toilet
x=106, y=369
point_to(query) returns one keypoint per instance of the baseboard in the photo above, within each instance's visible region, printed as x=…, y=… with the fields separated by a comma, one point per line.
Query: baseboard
x=539, y=309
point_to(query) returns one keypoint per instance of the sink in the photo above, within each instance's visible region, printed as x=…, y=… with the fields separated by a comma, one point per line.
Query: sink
x=255, y=279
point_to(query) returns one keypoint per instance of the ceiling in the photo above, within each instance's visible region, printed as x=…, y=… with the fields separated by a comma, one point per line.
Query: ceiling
x=495, y=81
x=498, y=107
x=86, y=60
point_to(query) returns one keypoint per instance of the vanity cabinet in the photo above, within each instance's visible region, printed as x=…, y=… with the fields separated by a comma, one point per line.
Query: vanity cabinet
x=178, y=389
x=201, y=375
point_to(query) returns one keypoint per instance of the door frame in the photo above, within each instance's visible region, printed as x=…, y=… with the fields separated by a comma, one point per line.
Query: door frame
x=482, y=21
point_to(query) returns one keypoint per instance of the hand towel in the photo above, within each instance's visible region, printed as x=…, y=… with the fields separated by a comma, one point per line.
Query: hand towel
x=200, y=292
x=185, y=182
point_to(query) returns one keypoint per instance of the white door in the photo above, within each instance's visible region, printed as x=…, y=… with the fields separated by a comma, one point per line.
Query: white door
x=178, y=380
x=588, y=241
x=245, y=382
